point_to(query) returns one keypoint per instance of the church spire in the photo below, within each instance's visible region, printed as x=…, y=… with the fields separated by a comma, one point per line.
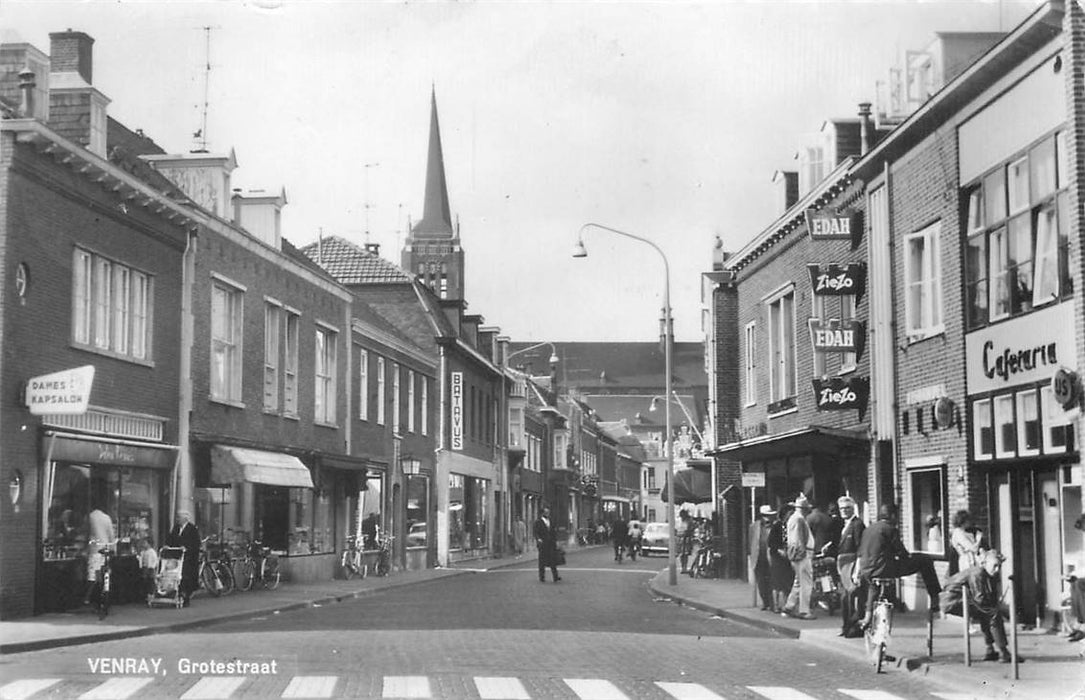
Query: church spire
x=436, y=217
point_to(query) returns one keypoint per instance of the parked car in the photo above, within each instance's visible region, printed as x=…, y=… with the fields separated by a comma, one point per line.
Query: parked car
x=416, y=537
x=655, y=538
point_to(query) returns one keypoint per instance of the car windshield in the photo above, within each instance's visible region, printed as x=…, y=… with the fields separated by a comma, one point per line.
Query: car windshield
x=656, y=528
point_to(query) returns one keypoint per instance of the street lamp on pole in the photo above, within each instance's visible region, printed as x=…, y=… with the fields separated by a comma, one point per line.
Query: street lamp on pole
x=579, y=251
x=553, y=352
x=689, y=416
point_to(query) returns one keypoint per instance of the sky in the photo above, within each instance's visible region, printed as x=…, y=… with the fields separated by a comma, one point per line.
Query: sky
x=665, y=120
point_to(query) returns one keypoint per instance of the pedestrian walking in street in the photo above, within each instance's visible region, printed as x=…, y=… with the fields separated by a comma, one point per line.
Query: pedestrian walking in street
x=546, y=541
x=519, y=535
x=759, y=546
x=185, y=534
x=800, y=552
x=783, y=575
x=619, y=533
x=852, y=600
x=981, y=582
x=684, y=531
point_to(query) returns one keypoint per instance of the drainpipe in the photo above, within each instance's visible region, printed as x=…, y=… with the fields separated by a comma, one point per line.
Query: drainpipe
x=183, y=497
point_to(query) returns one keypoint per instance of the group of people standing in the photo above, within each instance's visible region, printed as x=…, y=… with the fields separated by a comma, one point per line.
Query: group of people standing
x=784, y=546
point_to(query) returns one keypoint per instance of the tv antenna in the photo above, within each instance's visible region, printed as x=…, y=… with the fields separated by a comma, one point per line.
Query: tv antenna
x=201, y=134
x=368, y=206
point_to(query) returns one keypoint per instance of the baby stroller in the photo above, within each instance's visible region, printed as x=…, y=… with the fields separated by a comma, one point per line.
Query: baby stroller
x=167, y=580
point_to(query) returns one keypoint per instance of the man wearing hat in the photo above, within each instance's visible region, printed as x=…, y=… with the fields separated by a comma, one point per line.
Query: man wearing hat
x=847, y=548
x=759, y=550
x=184, y=534
x=800, y=550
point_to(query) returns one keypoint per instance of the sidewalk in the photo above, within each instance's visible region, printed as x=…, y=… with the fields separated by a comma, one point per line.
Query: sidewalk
x=1054, y=669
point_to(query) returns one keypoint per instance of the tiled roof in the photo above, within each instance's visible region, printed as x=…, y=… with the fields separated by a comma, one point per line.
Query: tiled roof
x=352, y=264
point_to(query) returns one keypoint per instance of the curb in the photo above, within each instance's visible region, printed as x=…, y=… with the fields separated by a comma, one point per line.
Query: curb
x=150, y=630
x=782, y=630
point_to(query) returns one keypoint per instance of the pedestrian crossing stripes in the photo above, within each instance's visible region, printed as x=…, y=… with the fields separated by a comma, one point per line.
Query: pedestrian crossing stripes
x=488, y=687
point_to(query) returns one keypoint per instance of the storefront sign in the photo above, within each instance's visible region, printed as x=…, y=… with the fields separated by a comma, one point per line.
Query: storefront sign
x=94, y=452
x=1021, y=351
x=827, y=225
x=66, y=392
x=835, y=335
x=837, y=280
x=457, y=410
x=839, y=394
x=753, y=480
x=1065, y=387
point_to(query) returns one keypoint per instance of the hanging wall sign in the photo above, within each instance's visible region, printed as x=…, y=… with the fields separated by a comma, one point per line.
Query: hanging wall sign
x=837, y=280
x=835, y=335
x=1064, y=387
x=839, y=394
x=829, y=225
x=457, y=410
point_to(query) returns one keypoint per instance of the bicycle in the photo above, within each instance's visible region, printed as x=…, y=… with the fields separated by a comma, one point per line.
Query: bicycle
x=708, y=561
x=878, y=633
x=350, y=561
x=103, y=578
x=216, y=574
x=384, y=555
x=259, y=565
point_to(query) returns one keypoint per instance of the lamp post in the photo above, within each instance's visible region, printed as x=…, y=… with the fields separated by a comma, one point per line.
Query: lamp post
x=579, y=251
x=689, y=416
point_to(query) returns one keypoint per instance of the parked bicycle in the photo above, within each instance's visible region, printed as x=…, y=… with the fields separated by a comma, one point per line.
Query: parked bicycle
x=827, y=590
x=384, y=555
x=878, y=633
x=350, y=561
x=708, y=561
x=216, y=573
x=103, y=577
x=260, y=565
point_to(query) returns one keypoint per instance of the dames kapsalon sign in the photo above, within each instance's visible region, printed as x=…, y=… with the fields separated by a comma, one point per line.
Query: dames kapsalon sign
x=65, y=392
x=1021, y=351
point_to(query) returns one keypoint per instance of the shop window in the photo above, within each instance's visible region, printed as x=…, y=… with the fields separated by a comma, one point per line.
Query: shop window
x=1005, y=431
x=226, y=334
x=272, y=329
x=290, y=364
x=324, y=376
x=110, y=306
x=923, y=283
x=456, y=527
x=417, y=510
x=371, y=509
x=928, y=527
x=1028, y=423
x=983, y=429
x=1056, y=426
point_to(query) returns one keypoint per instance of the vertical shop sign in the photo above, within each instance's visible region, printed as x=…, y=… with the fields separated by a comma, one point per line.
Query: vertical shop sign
x=457, y=410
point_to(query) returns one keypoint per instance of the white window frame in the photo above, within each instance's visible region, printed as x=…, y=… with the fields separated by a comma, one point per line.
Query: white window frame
x=291, y=354
x=273, y=329
x=783, y=372
x=324, y=373
x=561, y=441
x=410, y=401
x=397, y=419
x=927, y=281
x=380, y=390
x=228, y=344
x=424, y=417
x=1003, y=404
x=111, y=306
x=750, y=337
x=1052, y=416
x=982, y=417
x=1027, y=401
x=363, y=384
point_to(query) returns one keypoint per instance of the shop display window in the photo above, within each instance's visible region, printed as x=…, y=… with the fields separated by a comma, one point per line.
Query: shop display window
x=1005, y=432
x=417, y=510
x=928, y=526
x=456, y=529
x=1026, y=423
x=371, y=510
x=983, y=430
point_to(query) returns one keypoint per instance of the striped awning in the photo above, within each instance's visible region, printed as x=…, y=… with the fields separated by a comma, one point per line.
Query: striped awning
x=230, y=465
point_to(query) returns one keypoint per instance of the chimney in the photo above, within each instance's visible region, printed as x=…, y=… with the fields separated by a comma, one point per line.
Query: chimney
x=866, y=133
x=16, y=61
x=787, y=189
x=26, y=88
x=72, y=52
x=77, y=111
x=259, y=213
x=205, y=177
x=373, y=248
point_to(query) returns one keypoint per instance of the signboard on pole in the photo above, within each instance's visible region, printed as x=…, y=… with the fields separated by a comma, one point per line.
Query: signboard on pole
x=64, y=392
x=753, y=480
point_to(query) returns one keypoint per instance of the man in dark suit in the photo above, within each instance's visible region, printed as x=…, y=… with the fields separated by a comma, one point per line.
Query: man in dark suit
x=184, y=534
x=546, y=538
x=619, y=533
x=882, y=555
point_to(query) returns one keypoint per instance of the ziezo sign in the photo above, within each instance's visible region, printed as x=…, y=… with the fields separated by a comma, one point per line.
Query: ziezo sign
x=839, y=394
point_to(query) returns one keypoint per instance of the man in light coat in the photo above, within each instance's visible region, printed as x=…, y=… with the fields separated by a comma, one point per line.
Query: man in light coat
x=800, y=550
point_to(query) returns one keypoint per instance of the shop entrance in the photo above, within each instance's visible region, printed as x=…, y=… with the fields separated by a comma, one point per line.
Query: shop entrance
x=273, y=515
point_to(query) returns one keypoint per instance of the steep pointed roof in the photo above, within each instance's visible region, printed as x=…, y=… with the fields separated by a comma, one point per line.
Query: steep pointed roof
x=436, y=214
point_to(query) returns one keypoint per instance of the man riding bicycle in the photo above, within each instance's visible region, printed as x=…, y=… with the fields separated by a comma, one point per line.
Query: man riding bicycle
x=882, y=555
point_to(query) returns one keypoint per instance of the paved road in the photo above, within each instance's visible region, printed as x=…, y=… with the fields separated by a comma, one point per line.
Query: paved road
x=599, y=633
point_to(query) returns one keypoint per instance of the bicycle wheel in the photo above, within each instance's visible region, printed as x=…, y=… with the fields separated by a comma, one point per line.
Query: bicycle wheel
x=382, y=564
x=248, y=574
x=271, y=573
x=348, y=565
x=209, y=580
x=226, y=575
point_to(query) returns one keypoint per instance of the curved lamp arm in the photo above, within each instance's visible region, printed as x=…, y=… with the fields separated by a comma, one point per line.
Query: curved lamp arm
x=554, y=359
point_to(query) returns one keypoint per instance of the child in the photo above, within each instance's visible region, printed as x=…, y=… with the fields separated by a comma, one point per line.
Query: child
x=981, y=582
x=148, y=565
